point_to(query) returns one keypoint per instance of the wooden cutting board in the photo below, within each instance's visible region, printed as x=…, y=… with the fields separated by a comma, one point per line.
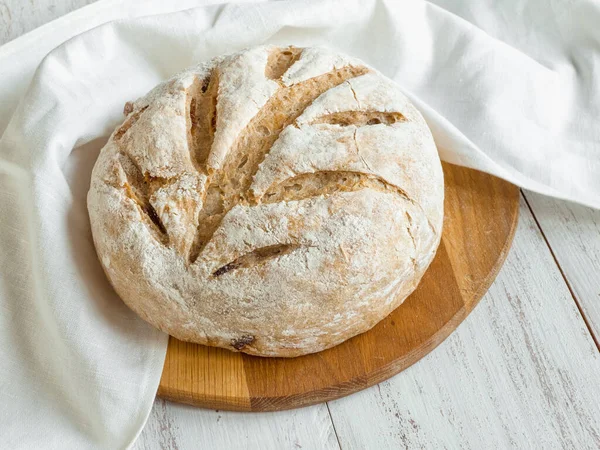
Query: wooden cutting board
x=481, y=213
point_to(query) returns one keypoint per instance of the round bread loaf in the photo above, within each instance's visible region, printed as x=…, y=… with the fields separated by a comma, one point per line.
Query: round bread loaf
x=276, y=201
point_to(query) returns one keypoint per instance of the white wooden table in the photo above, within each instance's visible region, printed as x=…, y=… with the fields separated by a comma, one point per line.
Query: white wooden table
x=522, y=371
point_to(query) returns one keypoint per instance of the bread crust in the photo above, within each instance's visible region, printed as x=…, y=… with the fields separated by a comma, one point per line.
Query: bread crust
x=276, y=201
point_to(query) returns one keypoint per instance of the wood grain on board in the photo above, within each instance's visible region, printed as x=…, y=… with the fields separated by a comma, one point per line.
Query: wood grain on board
x=480, y=218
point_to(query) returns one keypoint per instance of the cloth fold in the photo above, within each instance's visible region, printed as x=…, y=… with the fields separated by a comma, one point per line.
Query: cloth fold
x=510, y=88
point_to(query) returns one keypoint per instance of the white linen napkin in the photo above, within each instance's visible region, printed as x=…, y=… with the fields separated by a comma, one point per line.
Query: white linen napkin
x=508, y=87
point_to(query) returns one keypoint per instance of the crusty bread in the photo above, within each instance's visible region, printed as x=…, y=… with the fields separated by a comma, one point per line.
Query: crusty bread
x=276, y=201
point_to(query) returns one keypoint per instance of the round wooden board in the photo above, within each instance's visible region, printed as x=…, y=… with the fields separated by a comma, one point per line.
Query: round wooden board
x=481, y=214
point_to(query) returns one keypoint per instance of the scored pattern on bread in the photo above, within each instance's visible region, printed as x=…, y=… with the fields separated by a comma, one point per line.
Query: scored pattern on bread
x=201, y=108
x=281, y=110
x=315, y=184
x=256, y=256
x=138, y=190
x=360, y=118
x=129, y=123
x=279, y=61
x=275, y=201
x=231, y=185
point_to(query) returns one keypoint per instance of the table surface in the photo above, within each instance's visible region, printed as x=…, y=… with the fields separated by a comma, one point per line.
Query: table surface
x=522, y=371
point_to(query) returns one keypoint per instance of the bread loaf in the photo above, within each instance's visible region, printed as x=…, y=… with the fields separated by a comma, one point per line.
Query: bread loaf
x=276, y=201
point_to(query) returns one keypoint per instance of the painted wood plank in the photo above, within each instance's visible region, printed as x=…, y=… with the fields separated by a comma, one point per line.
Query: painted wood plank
x=17, y=17
x=521, y=372
x=174, y=426
x=573, y=232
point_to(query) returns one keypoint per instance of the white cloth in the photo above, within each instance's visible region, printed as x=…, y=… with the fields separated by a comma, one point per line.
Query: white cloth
x=508, y=87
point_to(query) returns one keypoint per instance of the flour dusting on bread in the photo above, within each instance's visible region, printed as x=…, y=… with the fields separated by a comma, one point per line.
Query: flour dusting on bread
x=276, y=201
